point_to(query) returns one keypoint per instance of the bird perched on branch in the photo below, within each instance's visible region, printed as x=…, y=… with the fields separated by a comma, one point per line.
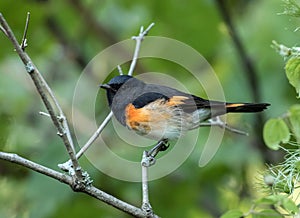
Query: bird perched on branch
x=163, y=113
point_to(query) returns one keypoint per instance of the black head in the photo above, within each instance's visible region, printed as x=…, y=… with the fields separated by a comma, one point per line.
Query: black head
x=113, y=86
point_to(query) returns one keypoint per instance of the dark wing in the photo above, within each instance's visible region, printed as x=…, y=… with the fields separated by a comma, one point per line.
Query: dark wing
x=190, y=103
x=147, y=98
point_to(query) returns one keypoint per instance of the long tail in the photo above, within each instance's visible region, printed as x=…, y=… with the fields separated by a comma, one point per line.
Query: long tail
x=245, y=107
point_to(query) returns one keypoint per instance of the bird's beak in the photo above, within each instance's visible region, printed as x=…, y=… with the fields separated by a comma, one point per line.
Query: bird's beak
x=105, y=86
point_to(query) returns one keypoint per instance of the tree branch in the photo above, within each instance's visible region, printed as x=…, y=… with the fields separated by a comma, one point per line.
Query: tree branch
x=24, y=39
x=89, y=189
x=78, y=180
x=14, y=158
x=48, y=98
x=138, y=40
x=216, y=121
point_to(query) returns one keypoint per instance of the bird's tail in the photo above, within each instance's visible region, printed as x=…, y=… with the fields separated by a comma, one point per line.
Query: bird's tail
x=245, y=107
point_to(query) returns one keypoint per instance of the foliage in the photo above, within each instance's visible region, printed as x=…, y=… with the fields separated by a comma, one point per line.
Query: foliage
x=280, y=181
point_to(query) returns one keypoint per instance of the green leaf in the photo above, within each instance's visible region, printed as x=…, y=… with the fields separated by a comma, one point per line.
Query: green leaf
x=272, y=199
x=275, y=131
x=295, y=120
x=268, y=213
x=289, y=205
x=233, y=214
x=292, y=70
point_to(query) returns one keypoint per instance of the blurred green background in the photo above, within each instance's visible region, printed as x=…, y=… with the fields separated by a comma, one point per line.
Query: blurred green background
x=64, y=35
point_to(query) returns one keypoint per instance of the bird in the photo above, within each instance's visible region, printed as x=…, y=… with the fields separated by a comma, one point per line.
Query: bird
x=163, y=113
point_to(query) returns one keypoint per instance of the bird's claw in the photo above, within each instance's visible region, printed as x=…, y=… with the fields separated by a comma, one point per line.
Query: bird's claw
x=149, y=156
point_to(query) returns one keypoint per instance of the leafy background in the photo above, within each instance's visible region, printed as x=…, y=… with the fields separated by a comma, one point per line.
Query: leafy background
x=62, y=41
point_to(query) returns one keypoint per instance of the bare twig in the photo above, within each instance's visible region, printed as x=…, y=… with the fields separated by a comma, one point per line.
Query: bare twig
x=44, y=114
x=60, y=122
x=120, y=70
x=90, y=190
x=95, y=135
x=24, y=39
x=14, y=158
x=216, y=121
x=146, y=206
x=67, y=165
x=138, y=40
x=48, y=98
x=3, y=30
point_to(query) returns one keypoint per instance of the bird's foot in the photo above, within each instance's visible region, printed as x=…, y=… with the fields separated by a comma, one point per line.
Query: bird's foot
x=162, y=145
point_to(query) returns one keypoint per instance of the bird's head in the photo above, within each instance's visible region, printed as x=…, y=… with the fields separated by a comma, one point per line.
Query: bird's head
x=113, y=86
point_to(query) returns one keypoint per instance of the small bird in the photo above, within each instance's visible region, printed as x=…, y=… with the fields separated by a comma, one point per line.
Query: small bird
x=162, y=113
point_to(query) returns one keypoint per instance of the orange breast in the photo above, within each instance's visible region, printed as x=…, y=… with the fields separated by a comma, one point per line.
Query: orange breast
x=154, y=119
x=137, y=118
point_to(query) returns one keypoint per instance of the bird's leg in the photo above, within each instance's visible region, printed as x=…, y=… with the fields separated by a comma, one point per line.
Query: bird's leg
x=149, y=157
x=162, y=145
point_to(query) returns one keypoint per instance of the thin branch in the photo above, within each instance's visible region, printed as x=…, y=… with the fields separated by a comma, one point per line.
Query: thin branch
x=120, y=70
x=67, y=165
x=90, y=190
x=45, y=92
x=63, y=130
x=44, y=114
x=3, y=30
x=95, y=135
x=14, y=158
x=24, y=39
x=138, y=40
x=216, y=121
x=146, y=206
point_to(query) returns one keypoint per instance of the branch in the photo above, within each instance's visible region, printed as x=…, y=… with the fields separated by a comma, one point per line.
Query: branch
x=146, y=206
x=24, y=39
x=216, y=121
x=138, y=40
x=48, y=98
x=90, y=190
x=78, y=180
x=14, y=158
x=67, y=165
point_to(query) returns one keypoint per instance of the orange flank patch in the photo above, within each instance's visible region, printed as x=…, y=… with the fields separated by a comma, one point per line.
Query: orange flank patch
x=234, y=105
x=136, y=116
x=176, y=100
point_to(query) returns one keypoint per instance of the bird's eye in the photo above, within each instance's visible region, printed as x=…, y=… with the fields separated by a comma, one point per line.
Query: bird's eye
x=113, y=89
